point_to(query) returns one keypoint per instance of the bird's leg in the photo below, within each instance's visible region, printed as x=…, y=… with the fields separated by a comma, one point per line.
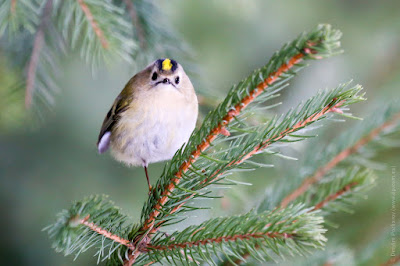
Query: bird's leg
x=147, y=177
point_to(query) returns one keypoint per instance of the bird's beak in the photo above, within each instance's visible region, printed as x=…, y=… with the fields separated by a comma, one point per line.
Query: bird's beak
x=166, y=81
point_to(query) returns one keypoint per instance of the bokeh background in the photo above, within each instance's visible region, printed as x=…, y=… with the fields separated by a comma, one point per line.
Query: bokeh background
x=45, y=167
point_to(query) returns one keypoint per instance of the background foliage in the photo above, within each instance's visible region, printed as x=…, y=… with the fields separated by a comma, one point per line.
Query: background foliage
x=42, y=170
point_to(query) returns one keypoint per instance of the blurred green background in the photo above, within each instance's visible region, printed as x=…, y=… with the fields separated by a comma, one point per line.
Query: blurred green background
x=43, y=169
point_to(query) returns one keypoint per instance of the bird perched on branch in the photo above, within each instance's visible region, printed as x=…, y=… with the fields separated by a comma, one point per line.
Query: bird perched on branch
x=152, y=117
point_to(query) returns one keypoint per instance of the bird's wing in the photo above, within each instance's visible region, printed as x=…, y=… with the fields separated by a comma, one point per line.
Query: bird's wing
x=119, y=106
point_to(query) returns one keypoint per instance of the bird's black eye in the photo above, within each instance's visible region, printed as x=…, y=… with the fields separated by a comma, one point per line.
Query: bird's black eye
x=177, y=80
x=154, y=77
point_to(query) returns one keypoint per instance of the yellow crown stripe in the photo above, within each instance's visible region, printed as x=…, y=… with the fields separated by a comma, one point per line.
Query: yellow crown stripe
x=166, y=64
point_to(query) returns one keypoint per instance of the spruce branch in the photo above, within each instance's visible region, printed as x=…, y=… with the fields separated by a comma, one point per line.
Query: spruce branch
x=170, y=194
x=290, y=231
x=319, y=43
x=388, y=118
x=308, y=113
x=100, y=31
x=275, y=131
x=89, y=223
x=36, y=50
x=97, y=29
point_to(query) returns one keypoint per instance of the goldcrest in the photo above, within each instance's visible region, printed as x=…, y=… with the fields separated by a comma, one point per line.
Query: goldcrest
x=152, y=117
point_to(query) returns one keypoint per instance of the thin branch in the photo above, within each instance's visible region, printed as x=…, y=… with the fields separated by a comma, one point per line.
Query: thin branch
x=93, y=22
x=223, y=239
x=37, y=47
x=337, y=159
x=106, y=233
x=136, y=23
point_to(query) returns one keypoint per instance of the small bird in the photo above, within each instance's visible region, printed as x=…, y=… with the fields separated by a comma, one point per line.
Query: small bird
x=152, y=117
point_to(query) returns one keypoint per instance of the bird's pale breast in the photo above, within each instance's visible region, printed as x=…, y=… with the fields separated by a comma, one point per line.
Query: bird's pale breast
x=154, y=128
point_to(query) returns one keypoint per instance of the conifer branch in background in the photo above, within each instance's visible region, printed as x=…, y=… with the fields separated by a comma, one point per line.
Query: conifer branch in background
x=36, y=50
x=100, y=31
x=321, y=172
x=136, y=23
x=93, y=23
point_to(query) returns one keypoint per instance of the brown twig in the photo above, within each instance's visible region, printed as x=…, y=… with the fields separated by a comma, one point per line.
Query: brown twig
x=337, y=159
x=222, y=239
x=37, y=47
x=136, y=23
x=93, y=22
x=106, y=233
x=13, y=6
